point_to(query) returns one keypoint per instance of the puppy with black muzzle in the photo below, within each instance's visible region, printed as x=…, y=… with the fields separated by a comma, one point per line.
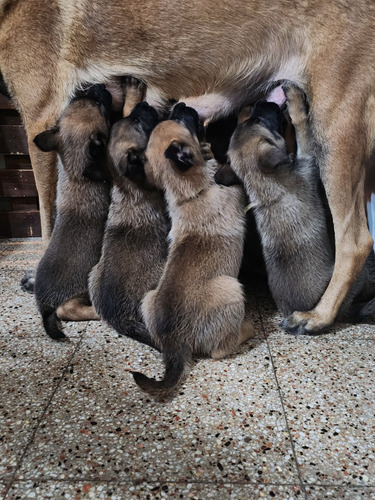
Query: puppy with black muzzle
x=290, y=211
x=135, y=240
x=80, y=139
x=198, y=306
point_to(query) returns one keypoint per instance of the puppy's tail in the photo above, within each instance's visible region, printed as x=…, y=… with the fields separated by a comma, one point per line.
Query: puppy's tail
x=176, y=362
x=136, y=331
x=51, y=324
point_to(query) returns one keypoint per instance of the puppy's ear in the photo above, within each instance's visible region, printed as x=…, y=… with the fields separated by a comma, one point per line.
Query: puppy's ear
x=226, y=176
x=96, y=169
x=133, y=165
x=180, y=154
x=48, y=140
x=273, y=158
x=98, y=145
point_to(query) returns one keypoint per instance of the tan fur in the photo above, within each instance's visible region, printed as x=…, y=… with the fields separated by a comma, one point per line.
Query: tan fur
x=135, y=244
x=223, y=55
x=76, y=309
x=198, y=304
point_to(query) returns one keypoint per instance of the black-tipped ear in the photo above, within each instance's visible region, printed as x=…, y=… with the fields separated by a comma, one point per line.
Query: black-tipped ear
x=272, y=159
x=226, y=176
x=134, y=166
x=181, y=155
x=96, y=168
x=48, y=140
x=98, y=145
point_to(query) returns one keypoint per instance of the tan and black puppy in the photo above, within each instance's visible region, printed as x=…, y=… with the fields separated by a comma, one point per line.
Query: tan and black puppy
x=198, y=305
x=135, y=240
x=290, y=211
x=80, y=139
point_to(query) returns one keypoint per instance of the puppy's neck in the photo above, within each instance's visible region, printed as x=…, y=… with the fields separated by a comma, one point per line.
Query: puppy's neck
x=188, y=190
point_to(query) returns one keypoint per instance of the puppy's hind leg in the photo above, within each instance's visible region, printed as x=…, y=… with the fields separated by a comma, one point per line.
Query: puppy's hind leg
x=246, y=332
x=77, y=309
x=226, y=348
x=225, y=296
x=28, y=281
x=134, y=92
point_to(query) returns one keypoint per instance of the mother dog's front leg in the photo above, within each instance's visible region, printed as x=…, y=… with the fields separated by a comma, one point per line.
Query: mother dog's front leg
x=343, y=174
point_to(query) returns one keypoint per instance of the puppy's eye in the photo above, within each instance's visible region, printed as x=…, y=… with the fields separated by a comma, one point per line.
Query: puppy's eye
x=268, y=141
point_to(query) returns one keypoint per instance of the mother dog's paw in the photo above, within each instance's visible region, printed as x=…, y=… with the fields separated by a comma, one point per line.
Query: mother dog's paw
x=303, y=323
x=28, y=281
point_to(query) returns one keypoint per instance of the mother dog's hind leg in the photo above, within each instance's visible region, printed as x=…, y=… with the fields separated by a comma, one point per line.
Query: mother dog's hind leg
x=343, y=174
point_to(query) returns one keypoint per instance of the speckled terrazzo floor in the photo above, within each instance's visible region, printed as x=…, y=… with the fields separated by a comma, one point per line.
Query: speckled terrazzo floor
x=285, y=417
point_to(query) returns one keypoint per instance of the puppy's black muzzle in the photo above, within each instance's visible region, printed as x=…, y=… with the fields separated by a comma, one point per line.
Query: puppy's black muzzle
x=269, y=115
x=146, y=116
x=99, y=95
x=189, y=118
x=102, y=98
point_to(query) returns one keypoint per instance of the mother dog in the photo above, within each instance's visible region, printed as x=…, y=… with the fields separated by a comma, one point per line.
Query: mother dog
x=215, y=56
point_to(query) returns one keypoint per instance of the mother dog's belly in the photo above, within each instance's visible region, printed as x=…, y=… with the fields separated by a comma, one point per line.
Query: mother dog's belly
x=211, y=95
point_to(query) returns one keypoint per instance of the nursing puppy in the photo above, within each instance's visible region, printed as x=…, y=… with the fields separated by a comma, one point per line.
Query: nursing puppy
x=80, y=138
x=290, y=211
x=135, y=240
x=198, y=305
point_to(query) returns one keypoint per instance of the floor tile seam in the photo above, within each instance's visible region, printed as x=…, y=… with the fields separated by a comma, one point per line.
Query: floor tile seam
x=46, y=479
x=155, y=482
x=43, y=414
x=299, y=472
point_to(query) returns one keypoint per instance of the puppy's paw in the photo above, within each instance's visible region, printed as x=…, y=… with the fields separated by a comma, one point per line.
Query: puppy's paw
x=134, y=92
x=28, y=281
x=303, y=323
x=131, y=84
x=297, y=103
x=206, y=151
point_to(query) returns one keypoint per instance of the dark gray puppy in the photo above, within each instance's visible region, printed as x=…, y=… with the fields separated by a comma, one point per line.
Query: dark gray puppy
x=135, y=240
x=79, y=137
x=290, y=211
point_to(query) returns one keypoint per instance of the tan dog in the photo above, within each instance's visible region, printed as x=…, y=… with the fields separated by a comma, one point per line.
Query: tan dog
x=80, y=139
x=53, y=46
x=135, y=243
x=198, y=306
